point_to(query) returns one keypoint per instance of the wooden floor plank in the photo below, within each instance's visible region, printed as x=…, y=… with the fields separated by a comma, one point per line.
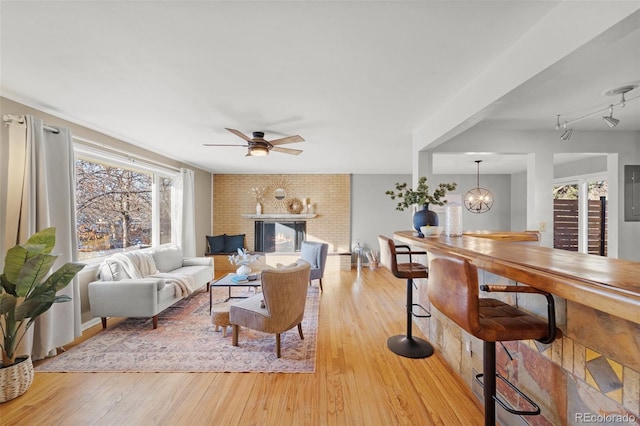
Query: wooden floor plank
x=357, y=381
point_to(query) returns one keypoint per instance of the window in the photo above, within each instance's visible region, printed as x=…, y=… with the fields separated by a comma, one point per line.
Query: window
x=580, y=215
x=120, y=205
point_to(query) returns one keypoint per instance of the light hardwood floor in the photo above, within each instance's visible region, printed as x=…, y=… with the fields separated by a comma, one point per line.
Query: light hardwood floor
x=358, y=381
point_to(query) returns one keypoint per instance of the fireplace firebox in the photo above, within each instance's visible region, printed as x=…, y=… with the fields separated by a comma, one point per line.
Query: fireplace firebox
x=273, y=237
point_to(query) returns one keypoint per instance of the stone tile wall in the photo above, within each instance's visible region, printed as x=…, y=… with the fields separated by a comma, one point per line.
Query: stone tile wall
x=591, y=371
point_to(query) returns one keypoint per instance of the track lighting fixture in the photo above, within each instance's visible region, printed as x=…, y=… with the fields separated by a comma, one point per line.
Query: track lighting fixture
x=566, y=135
x=611, y=122
x=608, y=119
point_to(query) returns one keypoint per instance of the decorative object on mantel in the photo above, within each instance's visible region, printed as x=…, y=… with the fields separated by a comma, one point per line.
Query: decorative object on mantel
x=258, y=194
x=295, y=206
x=478, y=200
x=420, y=197
x=279, y=216
x=27, y=292
x=280, y=190
x=244, y=259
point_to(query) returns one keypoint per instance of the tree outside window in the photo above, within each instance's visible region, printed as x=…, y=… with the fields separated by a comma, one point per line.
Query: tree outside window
x=115, y=207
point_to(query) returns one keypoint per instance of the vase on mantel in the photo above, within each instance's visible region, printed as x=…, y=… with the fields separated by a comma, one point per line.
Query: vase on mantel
x=258, y=208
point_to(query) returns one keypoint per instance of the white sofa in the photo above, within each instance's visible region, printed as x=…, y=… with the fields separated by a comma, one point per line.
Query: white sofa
x=128, y=287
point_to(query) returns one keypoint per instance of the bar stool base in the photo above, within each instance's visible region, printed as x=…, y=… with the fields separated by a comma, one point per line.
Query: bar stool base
x=413, y=347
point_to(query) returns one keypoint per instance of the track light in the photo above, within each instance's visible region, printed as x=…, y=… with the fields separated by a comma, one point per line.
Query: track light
x=608, y=119
x=566, y=135
x=612, y=122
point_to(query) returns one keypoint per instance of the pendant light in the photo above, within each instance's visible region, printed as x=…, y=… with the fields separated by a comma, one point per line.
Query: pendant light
x=478, y=200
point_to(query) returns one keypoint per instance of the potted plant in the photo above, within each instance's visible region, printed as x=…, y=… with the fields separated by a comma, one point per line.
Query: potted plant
x=27, y=291
x=420, y=196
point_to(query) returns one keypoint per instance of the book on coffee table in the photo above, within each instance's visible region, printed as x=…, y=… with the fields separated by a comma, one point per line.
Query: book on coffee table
x=238, y=279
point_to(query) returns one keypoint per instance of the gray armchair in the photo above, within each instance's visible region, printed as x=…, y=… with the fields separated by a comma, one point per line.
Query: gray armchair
x=279, y=307
x=315, y=254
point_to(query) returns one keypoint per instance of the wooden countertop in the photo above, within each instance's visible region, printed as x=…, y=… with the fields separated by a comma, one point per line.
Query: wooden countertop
x=609, y=285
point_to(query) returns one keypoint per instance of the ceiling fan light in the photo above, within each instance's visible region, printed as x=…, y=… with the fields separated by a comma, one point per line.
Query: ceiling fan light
x=258, y=151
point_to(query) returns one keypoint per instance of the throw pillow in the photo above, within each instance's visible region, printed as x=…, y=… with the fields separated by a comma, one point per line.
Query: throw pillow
x=309, y=252
x=233, y=242
x=168, y=258
x=216, y=243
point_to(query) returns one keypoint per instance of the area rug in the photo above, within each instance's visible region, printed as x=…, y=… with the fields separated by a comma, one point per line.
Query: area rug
x=186, y=341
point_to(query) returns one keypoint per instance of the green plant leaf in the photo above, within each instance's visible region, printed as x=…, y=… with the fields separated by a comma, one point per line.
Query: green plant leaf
x=46, y=237
x=63, y=276
x=34, y=306
x=33, y=272
x=6, y=285
x=7, y=303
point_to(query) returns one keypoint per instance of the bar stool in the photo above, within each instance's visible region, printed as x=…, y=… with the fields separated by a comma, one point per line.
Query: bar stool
x=405, y=345
x=453, y=290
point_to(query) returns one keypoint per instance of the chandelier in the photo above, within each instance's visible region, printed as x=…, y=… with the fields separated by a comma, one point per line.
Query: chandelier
x=478, y=200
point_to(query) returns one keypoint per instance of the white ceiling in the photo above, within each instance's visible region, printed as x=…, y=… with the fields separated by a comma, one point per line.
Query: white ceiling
x=353, y=78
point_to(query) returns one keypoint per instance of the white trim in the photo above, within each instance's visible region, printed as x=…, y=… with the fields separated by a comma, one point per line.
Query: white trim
x=122, y=157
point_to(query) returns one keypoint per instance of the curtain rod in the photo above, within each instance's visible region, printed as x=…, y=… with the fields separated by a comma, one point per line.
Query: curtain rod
x=8, y=119
x=127, y=155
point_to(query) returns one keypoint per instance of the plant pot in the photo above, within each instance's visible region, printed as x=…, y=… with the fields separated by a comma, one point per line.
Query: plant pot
x=15, y=379
x=373, y=265
x=258, y=208
x=424, y=217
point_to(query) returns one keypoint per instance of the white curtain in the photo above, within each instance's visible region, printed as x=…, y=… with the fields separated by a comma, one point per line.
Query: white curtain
x=38, y=190
x=186, y=223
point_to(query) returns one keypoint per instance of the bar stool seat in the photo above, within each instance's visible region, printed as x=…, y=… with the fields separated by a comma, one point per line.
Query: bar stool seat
x=406, y=345
x=454, y=291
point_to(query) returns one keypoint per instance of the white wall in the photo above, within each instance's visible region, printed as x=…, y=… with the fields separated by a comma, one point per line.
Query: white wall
x=372, y=212
x=519, y=202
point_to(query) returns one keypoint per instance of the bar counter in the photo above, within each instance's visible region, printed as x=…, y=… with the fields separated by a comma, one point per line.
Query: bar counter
x=608, y=285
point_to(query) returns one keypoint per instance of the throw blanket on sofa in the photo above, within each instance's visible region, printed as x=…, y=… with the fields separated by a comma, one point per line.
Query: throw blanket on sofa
x=135, y=265
x=140, y=265
x=182, y=283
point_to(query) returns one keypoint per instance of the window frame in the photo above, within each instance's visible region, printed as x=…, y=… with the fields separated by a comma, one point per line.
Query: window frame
x=138, y=164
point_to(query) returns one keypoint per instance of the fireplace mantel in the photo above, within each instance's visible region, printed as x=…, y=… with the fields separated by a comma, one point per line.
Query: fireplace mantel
x=279, y=216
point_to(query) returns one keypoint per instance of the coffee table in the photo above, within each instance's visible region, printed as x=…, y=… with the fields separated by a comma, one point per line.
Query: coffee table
x=226, y=281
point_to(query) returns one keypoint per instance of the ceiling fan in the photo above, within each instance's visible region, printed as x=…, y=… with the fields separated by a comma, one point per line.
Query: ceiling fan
x=259, y=146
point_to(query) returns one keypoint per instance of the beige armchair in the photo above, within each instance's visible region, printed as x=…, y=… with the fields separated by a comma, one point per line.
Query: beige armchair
x=279, y=307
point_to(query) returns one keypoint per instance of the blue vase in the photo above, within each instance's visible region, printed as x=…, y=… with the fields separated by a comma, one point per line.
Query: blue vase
x=424, y=217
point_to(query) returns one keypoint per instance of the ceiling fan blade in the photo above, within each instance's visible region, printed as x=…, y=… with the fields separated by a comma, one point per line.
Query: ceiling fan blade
x=239, y=134
x=288, y=139
x=286, y=150
x=223, y=144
